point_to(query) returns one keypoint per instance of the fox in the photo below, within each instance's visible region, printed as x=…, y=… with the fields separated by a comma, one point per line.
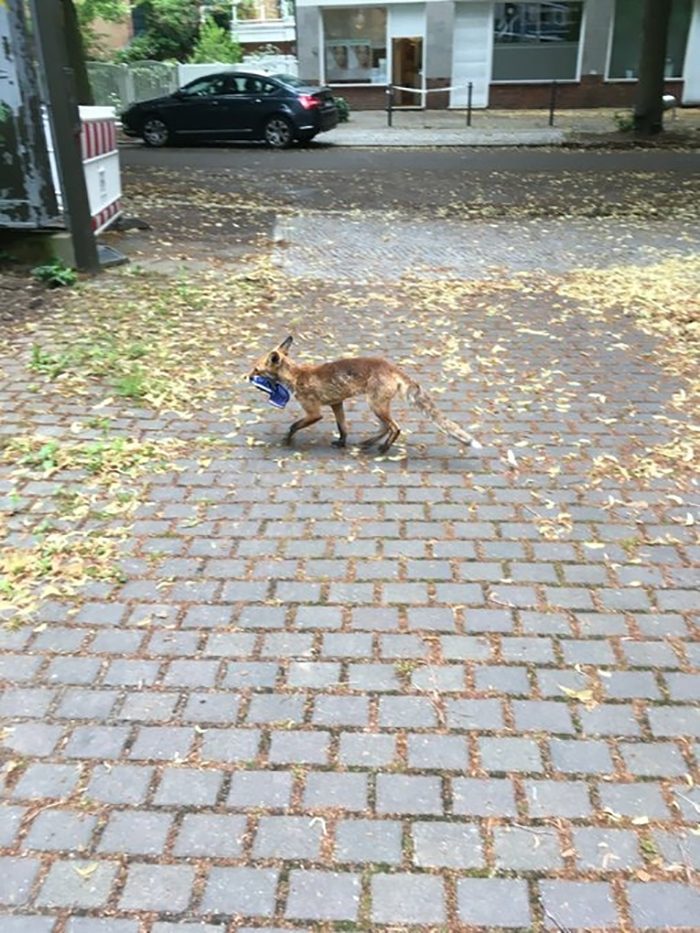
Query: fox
x=331, y=384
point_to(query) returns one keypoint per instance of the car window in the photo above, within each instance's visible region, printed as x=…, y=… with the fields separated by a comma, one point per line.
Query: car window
x=250, y=84
x=206, y=87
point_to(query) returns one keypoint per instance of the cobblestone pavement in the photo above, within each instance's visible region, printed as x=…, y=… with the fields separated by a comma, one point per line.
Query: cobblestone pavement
x=337, y=692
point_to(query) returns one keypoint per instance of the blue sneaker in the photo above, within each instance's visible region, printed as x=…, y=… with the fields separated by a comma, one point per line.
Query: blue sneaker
x=278, y=394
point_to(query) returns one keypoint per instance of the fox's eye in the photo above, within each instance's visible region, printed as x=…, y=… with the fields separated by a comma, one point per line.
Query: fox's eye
x=274, y=358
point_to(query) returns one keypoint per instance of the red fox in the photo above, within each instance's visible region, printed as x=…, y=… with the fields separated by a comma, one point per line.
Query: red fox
x=332, y=383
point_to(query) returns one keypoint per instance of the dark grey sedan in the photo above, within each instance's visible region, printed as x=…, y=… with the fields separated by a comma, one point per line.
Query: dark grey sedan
x=235, y=105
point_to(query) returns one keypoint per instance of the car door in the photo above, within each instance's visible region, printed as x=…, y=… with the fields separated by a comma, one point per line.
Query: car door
x=194, y=109
x=243, y=108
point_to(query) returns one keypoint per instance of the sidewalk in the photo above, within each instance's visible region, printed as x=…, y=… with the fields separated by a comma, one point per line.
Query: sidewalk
x=498, y=128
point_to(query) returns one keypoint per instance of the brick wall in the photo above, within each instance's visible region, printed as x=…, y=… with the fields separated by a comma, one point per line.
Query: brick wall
x=592, y=91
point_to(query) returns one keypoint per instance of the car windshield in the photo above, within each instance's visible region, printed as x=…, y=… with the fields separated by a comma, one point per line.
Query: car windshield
x=290, y=80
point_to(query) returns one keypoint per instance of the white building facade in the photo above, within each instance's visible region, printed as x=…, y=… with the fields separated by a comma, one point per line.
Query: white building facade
x=509, y=52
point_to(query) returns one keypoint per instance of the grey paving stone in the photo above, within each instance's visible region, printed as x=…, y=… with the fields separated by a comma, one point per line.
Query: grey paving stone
x=100, y=614
x=483, y=715
x=135, y=833
x=287, y=837
x=653, y=759
x=557, y=798
x=465, y=648
x=367, y=750
x=587, y=651
x=629, y=685
x=319, y=617
x=313, y=674
x=650, y=654
x=674, y=720
x=162, y=743
x=486, y=620
x=447, y=845
x=127, y=784
x=399, y=793
x=157, y=887
x=587, y=756
x=509, y=754
x=269, y=789
x=609, y=719
x=297, y=747
x=663, y=905
x=483, y=797
x=688, y=802
x=431, y=619
x=188, y=787
x=18, y=669
x=409, y=712
x=123, y=673
x=73, y=670
x=335, y=791
x=542, y=716
x=678, y=848
x=518, y=849
x=211, y=707
x=347, y=645
x=407, y=898
x=47, y=780
x=230, y=745
x=87, y=704
x=96, y=742
x=444, y=678
x=493, y=902
x=101, y=925
x=77, y=883
x=241, y=892
x=180, y=927
x=373, y=677
x=10, y=820
x=502, y=679
x=402, y=646
x=552, y=681
x=276, y=708
x=527, y=650
x=211, y=835
x=253, y=674
x=578, y=905
x=323, y=895
x=148, y=707
x=187, y=673
x=29, y=702
x=605, y=849
x=639, y=799
x=230, y=644
x=684, y=686
x=16, y=878
x=375, y=841
x=32, y=739
x=57, y=830
x=341, y=711
x=438, y=752
x=374, y=619
x=660, y=625
x=262, y=617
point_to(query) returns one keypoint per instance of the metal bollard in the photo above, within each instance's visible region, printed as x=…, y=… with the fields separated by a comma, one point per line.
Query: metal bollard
x=470, y=88
x=552, y=102
x=389, y=105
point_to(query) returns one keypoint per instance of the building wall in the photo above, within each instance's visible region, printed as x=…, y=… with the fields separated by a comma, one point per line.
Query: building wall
x=592, y=90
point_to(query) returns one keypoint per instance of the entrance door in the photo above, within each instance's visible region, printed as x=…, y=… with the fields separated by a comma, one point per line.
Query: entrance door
x=407, y=68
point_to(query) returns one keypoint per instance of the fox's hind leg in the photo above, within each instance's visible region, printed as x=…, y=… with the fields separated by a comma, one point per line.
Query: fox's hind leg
x=390, y=428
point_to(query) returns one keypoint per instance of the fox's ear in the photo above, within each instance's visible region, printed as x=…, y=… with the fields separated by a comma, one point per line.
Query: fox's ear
x=274, y=358
x=286, y=344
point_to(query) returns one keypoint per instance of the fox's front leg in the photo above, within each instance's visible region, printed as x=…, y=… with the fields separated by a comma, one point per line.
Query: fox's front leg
x=313, y=414
x=339, y=413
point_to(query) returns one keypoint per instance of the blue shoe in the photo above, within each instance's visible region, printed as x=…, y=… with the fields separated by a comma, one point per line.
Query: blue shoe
x=278, y=394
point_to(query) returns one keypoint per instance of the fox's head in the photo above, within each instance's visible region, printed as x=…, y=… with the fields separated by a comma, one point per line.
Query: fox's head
x=272, y=364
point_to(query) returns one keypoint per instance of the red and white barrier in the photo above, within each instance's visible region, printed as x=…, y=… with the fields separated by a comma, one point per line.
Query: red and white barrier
x=98, y=143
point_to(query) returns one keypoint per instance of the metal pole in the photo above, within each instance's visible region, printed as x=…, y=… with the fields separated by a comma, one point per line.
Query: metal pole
x=470, y=88
x=48, y=16
x=389, y=105
x=552, y=102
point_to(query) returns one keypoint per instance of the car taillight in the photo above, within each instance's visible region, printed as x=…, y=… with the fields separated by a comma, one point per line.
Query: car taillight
x=308, y=102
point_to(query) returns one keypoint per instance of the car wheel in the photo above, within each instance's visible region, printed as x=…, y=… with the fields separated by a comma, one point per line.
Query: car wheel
x=155, y=132
x=279, y=133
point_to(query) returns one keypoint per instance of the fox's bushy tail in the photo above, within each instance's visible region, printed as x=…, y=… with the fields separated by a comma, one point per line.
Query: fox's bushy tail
x=422, y=400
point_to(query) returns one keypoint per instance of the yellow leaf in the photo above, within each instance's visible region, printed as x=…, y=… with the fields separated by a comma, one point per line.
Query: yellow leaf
x=87, y=871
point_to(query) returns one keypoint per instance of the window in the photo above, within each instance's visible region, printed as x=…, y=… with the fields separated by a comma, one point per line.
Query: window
x=627, y=39
x=355, y=45
x=206, y=87
x=536, y=41
x=249, y=84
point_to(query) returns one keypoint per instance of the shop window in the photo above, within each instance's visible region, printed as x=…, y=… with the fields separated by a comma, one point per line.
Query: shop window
x=355, y=45
x=627, y=39
x=536, y=41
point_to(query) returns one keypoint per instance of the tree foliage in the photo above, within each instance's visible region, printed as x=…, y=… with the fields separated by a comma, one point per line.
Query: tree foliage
x=215, y=45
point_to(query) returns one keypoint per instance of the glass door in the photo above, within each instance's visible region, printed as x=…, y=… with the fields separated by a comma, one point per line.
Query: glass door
x=407, y=70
